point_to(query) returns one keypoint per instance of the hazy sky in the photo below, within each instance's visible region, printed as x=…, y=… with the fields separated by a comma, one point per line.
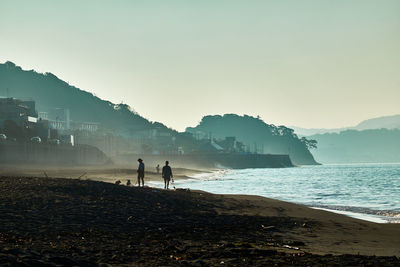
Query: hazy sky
x=314, y=63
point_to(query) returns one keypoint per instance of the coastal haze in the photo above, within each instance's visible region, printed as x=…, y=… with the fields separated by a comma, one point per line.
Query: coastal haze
x=314, y=64
x=264, y=133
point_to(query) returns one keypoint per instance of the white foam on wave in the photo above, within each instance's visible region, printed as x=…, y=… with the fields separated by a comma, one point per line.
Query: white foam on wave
x=155, y=183
x=209, y=176
x=361, y=216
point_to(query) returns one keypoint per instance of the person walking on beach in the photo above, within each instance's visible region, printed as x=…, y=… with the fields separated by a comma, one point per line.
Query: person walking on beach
x=158, y=168
x=140, y=172
x=167, y=174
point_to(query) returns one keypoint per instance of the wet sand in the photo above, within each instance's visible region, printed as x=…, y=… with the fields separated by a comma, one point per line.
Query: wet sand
x=109, y=174
x=81, y=222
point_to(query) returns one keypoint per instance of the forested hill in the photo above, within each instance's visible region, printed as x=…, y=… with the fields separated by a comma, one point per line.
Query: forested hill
x=50, y=92
x=255, y=132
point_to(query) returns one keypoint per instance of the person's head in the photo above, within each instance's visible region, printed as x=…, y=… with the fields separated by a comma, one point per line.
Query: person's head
x=140, y=160
x=166, y=163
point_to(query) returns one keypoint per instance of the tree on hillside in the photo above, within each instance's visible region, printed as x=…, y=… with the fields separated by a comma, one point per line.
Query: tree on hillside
x=310, y=143
x=285, y=131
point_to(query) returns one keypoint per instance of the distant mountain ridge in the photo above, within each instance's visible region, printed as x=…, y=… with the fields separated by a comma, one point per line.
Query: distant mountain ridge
x=387, y=122
x=353, y=146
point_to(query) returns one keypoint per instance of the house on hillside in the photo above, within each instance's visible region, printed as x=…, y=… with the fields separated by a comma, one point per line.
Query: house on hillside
x=59, y=119
x=21, y=112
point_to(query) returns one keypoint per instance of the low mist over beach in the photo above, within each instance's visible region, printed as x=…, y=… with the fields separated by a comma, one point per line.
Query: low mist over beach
x=182, y=133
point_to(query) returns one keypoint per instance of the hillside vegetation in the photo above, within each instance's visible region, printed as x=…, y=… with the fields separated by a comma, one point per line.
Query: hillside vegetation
x=51, y=92
x=257, y=135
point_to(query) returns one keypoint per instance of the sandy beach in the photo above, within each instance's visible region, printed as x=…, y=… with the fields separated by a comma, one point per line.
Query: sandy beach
x=109, y=174
x=64, y=222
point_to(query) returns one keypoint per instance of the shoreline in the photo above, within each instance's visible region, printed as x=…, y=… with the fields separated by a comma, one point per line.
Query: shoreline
x=100, y=222
x=371, y=216
x=111, y=174
x=362, y=216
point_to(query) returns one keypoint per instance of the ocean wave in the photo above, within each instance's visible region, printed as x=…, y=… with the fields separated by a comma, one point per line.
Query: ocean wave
x=209, y=176
x=389, y=215
x=344, y=189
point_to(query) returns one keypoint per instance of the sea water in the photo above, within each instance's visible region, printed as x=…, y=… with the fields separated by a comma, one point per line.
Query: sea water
x=366, y=191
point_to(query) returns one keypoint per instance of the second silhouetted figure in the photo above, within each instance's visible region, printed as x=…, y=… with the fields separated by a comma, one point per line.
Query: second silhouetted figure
x=140, y=172
x=167, y=174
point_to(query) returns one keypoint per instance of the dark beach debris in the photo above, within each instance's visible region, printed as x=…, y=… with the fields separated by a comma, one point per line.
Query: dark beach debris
x=67, y=222
x=271, y=227
x=290, y=247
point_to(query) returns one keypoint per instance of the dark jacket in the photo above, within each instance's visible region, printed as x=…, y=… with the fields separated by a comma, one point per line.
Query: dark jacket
x=166, y=172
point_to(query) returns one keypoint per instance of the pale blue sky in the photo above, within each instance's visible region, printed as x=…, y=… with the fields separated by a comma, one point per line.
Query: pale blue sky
x=315, y=63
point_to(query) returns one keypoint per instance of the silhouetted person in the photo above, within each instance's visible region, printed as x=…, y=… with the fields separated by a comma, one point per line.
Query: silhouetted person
x=158, y=168
x=140, y=172
x=128, y=182
x=167, y=174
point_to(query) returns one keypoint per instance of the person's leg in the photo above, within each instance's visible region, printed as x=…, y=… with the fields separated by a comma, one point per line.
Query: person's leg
x=143, y=181
x=168, y=184
x=165, y=183
x=138, y=179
